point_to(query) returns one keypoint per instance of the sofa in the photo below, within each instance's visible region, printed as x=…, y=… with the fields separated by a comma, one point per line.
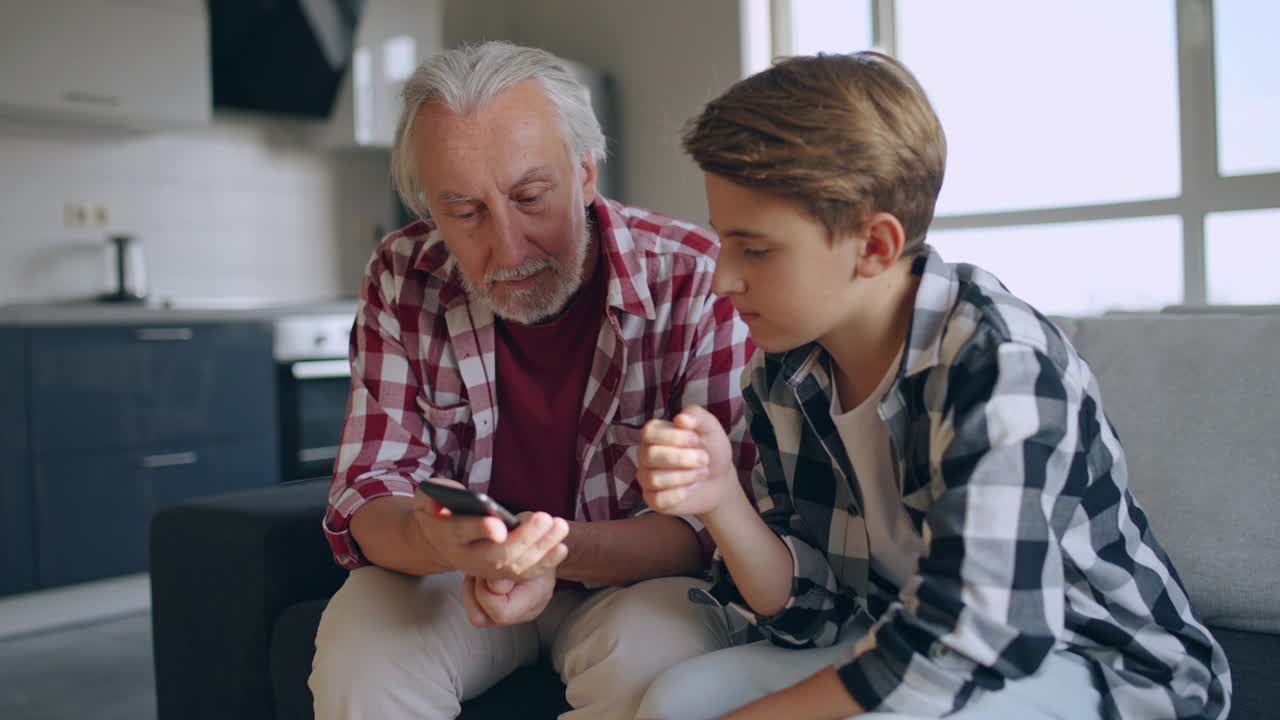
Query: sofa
x=239, y=581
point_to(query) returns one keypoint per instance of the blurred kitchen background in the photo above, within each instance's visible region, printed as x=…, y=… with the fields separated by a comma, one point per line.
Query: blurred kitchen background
x=189, y=192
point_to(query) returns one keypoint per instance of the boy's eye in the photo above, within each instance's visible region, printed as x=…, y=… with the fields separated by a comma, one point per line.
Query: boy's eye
x=756, y=253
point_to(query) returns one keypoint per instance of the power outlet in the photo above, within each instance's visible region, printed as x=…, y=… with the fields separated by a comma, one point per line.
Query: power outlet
x=75, y=215
x=79, y=215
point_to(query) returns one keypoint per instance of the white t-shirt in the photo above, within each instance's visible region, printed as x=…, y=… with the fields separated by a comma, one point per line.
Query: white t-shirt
x=894, y=544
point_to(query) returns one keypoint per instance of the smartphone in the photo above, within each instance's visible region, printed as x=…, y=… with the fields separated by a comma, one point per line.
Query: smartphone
x=467, y=502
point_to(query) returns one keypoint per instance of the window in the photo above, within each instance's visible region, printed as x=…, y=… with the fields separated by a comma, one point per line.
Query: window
x=1240, y=257
x=841, y=26
x=1246, y=61
x=1111, y=265
x=1033, y=118
x=1083, y=165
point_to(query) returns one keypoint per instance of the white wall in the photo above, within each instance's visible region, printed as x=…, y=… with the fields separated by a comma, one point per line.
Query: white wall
x=475, y=20
x=245, y=208
x=248, y=208
x=668, y=57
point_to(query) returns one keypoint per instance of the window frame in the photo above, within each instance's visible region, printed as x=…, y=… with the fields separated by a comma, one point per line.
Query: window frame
x=1204, y=189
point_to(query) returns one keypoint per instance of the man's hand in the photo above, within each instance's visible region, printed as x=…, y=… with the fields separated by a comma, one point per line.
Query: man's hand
x=686, y=465
x=483, y=547
x=498, y=603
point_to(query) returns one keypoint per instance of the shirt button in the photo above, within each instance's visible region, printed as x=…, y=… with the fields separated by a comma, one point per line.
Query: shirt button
x=938, y=651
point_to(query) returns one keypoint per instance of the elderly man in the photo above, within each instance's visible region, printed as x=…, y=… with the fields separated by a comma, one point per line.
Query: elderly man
x=515, y=343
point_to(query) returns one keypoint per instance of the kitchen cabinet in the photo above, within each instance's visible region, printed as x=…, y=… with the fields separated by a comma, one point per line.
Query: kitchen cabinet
x=137, y=64
x=157, y=387
x=91, y=518
x=94, y=510
x=17, y=561
x=393, y=38
x=127, y=419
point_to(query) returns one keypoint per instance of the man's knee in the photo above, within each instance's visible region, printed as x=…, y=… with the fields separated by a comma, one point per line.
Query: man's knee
x=377, y=626
x=638, y=631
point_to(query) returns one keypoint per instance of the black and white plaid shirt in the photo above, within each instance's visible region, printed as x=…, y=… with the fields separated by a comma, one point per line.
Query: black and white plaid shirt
x=1017, y=483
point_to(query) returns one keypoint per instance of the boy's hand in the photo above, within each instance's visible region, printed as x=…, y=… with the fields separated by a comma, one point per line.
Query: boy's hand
x=686, y=465
x=498, y=603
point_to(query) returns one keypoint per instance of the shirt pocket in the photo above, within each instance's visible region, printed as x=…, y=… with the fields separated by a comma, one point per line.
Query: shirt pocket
x=449, y=431
x=621, y=453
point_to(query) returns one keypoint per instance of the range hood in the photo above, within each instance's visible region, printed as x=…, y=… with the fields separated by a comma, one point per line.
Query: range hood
x=281, y=56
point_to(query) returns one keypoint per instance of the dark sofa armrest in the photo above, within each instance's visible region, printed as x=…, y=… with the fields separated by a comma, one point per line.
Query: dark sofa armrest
x=222, y=570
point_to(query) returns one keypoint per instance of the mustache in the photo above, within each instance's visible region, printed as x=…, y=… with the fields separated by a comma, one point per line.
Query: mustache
x=525, y=269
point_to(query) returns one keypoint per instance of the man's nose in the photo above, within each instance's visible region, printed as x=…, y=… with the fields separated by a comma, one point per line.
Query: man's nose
x=507, y=242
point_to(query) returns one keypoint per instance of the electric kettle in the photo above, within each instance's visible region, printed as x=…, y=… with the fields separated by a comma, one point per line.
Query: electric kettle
x=127, y=270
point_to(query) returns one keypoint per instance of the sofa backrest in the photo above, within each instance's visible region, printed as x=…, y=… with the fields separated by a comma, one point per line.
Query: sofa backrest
x=1196, y=401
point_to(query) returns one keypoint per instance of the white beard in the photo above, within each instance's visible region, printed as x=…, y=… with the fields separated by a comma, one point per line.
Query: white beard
x=537, y=304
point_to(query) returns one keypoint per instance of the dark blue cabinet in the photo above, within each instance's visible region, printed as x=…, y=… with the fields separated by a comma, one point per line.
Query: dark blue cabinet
x=173, y=478
x=102, y=388
x=89, y=518
x=126, y=420
x=17, y=559
x=95, y=509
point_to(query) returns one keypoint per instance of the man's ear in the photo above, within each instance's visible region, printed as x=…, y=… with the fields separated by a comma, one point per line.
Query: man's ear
x=588, y=167
x=883, y=238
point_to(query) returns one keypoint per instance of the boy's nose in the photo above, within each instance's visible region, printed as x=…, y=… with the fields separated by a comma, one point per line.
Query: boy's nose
x=725, y=281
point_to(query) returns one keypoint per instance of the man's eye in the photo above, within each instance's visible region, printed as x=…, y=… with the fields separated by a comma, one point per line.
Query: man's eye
x=756, y=253
x=529, y=199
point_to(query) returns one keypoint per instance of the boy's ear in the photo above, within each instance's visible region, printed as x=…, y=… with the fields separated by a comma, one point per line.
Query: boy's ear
x=883, y=238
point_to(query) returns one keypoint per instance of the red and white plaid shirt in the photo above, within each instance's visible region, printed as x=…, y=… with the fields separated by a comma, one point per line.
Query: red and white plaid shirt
x=423, y=383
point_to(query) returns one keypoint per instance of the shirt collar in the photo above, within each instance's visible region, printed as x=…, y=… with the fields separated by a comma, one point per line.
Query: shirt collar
x=628, y=274
x=935, y=297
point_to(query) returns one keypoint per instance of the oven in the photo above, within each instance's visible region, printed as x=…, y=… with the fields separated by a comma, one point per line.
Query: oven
x=313, y=381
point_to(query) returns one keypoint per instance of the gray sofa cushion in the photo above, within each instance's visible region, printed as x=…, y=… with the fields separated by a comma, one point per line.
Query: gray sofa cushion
x=1255, y=685
x=1196, y=402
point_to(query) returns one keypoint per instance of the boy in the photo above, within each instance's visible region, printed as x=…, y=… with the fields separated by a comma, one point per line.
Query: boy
x=944, y=517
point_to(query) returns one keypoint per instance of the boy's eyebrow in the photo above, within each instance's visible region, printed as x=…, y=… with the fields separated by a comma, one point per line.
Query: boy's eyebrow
x=738, y=232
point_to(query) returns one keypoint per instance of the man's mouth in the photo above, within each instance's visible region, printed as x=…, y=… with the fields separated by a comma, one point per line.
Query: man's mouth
x=524, y=281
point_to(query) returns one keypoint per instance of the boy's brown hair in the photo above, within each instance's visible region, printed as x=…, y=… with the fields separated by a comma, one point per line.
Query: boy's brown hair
x=844, y=135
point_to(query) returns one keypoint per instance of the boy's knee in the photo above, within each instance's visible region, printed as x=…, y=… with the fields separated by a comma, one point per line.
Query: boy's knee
x=677, y=693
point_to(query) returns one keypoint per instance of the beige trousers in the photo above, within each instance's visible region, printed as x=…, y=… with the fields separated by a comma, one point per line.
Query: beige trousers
x=393, y=646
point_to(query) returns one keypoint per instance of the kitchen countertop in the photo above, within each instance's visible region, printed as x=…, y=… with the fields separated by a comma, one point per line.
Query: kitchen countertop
x=88, y=312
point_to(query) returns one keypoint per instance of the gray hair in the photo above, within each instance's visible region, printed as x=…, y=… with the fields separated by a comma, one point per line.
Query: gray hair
x=466, y=79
